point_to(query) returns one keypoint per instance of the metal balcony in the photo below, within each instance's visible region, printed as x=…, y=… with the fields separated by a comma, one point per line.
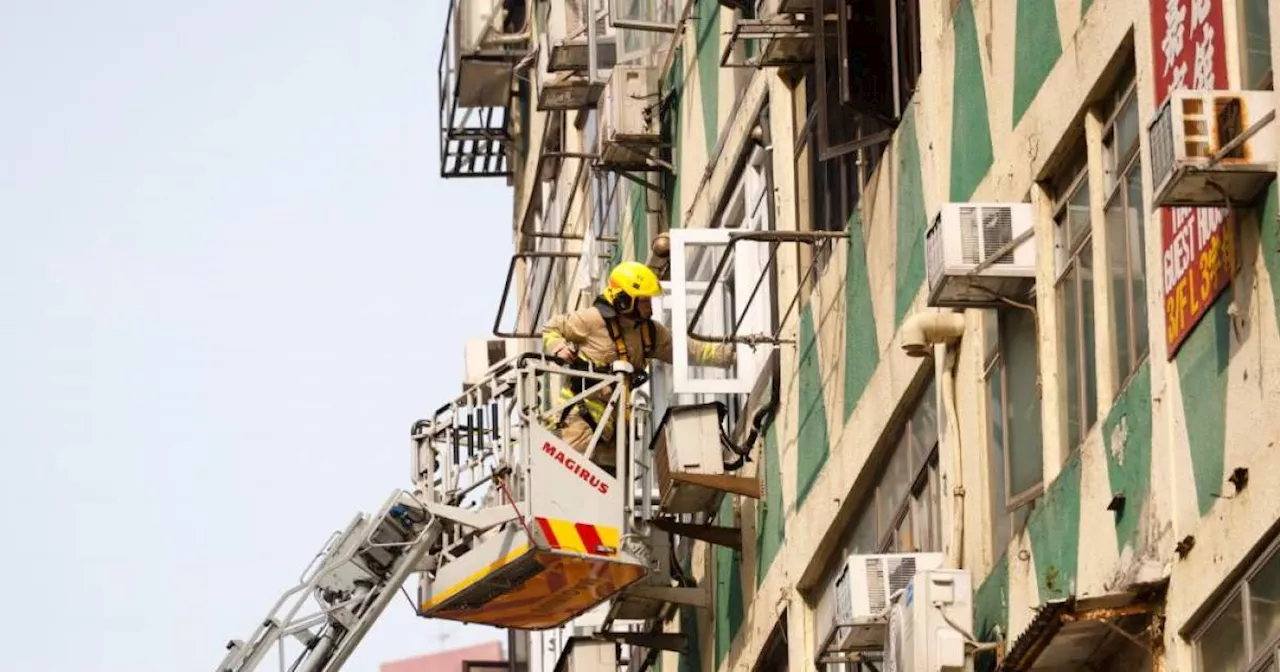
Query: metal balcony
x=484, y=44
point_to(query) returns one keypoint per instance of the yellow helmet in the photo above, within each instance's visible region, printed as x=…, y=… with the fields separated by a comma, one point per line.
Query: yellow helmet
x=633, y=279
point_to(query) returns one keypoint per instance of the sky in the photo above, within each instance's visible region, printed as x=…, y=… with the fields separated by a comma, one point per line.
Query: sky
x=230, y=280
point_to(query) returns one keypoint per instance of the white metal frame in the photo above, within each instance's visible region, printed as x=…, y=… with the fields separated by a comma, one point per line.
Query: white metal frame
x=747, y=211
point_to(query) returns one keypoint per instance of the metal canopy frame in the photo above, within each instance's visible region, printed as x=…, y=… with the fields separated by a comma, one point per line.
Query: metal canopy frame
x=766, y=32
x=776, y=239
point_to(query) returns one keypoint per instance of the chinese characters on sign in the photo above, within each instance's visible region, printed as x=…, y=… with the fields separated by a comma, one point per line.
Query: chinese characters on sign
x=1197, y=244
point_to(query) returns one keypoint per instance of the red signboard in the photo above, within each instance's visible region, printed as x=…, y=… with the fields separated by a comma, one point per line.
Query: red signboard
x=1197, y=245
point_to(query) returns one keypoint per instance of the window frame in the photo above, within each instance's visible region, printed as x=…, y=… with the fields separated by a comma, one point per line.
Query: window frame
x=1069, y=257
x=1015, y=507
x=905, y=62
x=925, y=475
x=1118, y=173
x=1257, y=657
x=854, y=164
x=1265, y=81
x=925, y=479
x=695, y=253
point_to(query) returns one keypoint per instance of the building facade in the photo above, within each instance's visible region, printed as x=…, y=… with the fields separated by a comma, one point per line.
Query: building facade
x=487, y=657
x=1095, y=445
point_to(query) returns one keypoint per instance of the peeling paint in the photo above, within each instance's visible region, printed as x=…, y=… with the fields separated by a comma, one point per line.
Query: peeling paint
x=1119, y=436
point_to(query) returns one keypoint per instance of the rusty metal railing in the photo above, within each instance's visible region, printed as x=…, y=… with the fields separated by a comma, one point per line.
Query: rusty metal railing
x=536, y=316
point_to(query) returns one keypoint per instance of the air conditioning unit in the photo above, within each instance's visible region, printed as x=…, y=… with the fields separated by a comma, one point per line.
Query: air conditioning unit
x=483, y=354
x=925, y=620
x=1193, y=126
x=960, y=249
x=589, y=655
x=629, y=124
x=482, y=80
x=689, y=458
x=566, y=33
x=854, y=611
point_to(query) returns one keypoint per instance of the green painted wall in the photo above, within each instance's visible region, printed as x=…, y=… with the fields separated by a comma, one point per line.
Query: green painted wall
x=1054, y=527
x=729, y=612
x=770, y=514
x=1129, y=462
x=912, y=220
x=671, y=132
x=813, y=443
x=861, y=346
x=991, y=609
x=1202, y=373
x=1038, y=46
x=971, y=153
x=639, y=223
x=1084, y=6
x=706, y=22
x=1271, y=244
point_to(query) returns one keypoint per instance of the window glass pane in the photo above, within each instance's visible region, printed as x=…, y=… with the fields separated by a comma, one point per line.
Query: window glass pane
x=990, y=332
x=895, y=483
x=1078, y=214
x=1118, y=275
x=923, y=519
x=924, y=428
x=1257, y=40
x=995, y=460
x=1264, y=603
x=1127, y=129
x=1018, y=344
x=864, y=532
x=1087, y=346
x=903, y=539
x=1222, y=644
x=1137, y=259
x=1068, y=315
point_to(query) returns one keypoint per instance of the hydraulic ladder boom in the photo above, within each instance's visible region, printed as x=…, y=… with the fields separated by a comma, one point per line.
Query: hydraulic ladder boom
x=508, y=525
x=342, y=592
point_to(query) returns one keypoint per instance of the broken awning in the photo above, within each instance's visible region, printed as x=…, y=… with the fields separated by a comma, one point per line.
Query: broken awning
x=1075, y=631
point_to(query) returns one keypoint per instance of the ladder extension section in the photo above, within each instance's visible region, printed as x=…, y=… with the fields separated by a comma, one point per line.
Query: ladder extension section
x=508, y=525
x=341, y=593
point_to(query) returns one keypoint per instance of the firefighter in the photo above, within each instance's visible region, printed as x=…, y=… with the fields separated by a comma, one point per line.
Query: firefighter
x=618, y=326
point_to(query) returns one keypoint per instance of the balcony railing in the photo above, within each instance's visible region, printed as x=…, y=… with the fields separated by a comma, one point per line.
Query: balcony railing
x=479, y=60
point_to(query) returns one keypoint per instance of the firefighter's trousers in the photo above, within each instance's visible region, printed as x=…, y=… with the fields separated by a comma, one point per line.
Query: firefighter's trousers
x=576, y=432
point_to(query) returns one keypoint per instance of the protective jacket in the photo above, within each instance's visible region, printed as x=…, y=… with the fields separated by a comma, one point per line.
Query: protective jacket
x=601, y=336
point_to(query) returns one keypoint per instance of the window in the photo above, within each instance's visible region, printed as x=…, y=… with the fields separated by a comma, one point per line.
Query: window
x=902, y=509
x=1124, y=222
x=1015, y=450
x=836, y=182
x=1243, y=633
x=1078, y=364
x=869, y=56
x=740, y=297
x=902, y=513
x=774, y=656
x=1255, y=22
x=866, y=69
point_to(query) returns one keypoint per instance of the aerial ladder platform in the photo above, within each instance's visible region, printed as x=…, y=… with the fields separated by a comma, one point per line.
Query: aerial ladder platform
x=506, y=525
